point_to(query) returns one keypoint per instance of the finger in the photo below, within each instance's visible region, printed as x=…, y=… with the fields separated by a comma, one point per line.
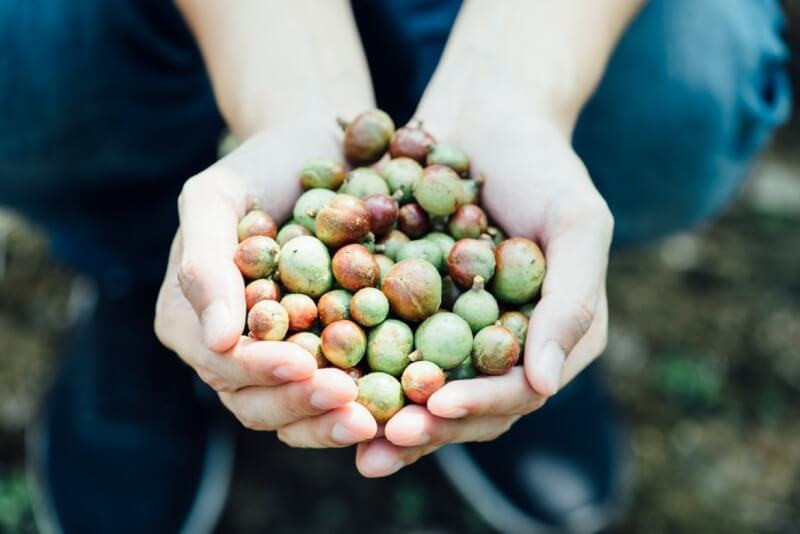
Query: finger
x=577, y=257
x=341, y=427
x=379, y=458
x=415, y=426
x=209, y=213
x=269, y=408
x=508, y=394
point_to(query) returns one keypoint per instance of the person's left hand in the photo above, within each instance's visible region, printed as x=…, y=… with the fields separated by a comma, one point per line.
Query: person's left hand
x=536, y=187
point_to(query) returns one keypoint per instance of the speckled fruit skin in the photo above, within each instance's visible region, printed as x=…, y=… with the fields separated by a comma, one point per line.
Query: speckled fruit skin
x=414, y=289
x=438, y=191
x=354, y=267
x=384, y=263
x=363, y=182
x=450, y=156
x=289, y=232
x=344, y=343
x=334, y=306
x=257, y=256
x=309, y=205
x=444, y=339
x=422, y=379
x=261, y=289
x=422, y=249
x=256, y=222
x=367, y=137
x=312, y=344
x=401, y=174
x=463, y=371
x=369, y=306
x=343, y=220
x=302, y=311
x=520, y=270
x=468, y=221
x=326, y=173
x=383, y=211
x=305, y=266
x=412, y=220
x=268, y=321
x=388, y=347
x=450, y=292
x=392, y=242
x=517, y=323
x=477, y=307
x=444, y=241
x=411, y=141
x=381, y=394
x=495, y=350
x=470, y=258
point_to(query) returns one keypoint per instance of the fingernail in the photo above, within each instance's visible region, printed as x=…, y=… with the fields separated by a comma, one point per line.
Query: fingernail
x=455, y=413
x=287, y=372
x=422, y=439
x=215, y=320
x=341, y=434
x=322, y=400
x=551, y=361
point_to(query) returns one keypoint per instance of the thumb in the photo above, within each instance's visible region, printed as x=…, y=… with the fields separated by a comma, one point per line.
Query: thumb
x=208, y=277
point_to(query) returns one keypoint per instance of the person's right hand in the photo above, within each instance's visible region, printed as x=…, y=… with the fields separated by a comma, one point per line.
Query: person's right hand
x=200, y=313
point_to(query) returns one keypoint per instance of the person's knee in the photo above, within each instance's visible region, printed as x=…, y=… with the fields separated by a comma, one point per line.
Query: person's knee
x=689, y=98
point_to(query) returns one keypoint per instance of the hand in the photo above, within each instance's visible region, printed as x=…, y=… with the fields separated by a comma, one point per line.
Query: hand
x=536, y=187
x=200, y=312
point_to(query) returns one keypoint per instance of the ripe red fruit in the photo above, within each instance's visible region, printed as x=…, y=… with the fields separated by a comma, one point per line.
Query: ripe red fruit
x=414, y=289
x=259, y=290
x=345, y=219
x=354, y=267
x=268, y=321
x=256, y=222
x=257, y=256
x=383, y=210
x=301, y=309
x=420, y=380
x=412, y=220
x=411, y=141
x=470, y=258
x=367, y=137
x=468, y=221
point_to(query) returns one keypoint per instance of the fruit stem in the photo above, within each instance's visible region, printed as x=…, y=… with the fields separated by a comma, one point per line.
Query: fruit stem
x=479, y=179
x=343, y=124
x=311, y=212
x=398, y=195
x=380, y=248
x=415, y=356
x=477, y=283
x=486, y=237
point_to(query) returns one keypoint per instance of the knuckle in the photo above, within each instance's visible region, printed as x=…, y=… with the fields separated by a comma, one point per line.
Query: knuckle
x=190, y=273
x=214, y=380
x=582, y=316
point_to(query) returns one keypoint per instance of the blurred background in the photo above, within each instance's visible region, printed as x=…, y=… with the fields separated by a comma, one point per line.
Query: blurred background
x=703, y=357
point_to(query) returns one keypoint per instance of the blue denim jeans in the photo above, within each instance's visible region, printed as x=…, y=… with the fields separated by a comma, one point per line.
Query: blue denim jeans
x=105, y=109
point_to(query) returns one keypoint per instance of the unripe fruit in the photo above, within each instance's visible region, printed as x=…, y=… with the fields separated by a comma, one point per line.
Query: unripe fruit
x=527, y=309
x=334, y=306
x=268, y=321
x=520, y=270
x=422, y=249
x=412, y=220
x=309, y=205
x=421, y=380
x=450, y=156
x=257, y=256
x=470, y=258
x=312, y=344
x=383, y=211
x=477, y=306
x=305, y=266
x=414, y=289
x=495, y=350
x=444, y=241
x=289, y=232
x=444, y=339
x=388, y=347
x=401, y=174
x=411, y=141
x=326, y=173
x=438, y=190
x=470, y=191
x=367, y=137
x=256, y=222
x=344, y=343
x=517, y=324
x=381, y=394
x=468, y=221
x=464, y=370
x=391, y=243
x=363, y=182
x=355, y=267
x=450, y=292
x=384, y=263
x=301, y=309
x=259, y=290
x=343, y=220
x=369, y=306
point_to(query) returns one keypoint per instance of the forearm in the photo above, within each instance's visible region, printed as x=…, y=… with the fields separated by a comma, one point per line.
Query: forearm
x=272, y=60
x=545, y=56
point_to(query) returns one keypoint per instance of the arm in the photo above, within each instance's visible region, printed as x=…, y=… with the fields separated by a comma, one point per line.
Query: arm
x=509, y=88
